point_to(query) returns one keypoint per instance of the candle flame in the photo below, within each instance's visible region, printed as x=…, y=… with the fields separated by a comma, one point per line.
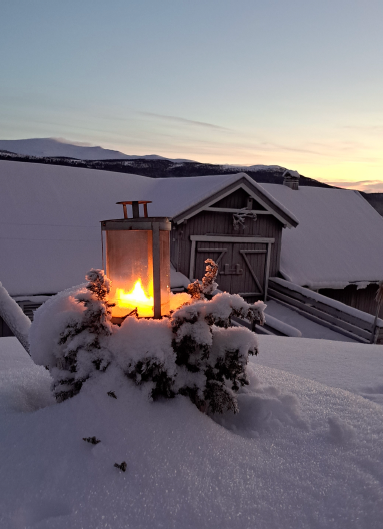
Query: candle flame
x=144, y=301
x=136, y=298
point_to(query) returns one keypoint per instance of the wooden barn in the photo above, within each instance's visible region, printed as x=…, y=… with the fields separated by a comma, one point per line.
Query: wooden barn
x=240, y=227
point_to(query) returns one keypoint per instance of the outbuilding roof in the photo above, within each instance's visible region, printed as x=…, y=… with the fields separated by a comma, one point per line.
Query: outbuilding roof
x=339, y=239
x=50, y=216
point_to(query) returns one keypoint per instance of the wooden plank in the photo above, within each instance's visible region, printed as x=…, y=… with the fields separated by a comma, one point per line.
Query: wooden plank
x=320, y=314
x=214, y=250
x=337, y=320
x=252, y=251
x=236, y=210
x=267, y=270
x=192, y=260
x=362, y=299
x=248, y=294
x=225, y=238
x=225, y=281
x=353, y=320
x=327, y=324
x=243, y=253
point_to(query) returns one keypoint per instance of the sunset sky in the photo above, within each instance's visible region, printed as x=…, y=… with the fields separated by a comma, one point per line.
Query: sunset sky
x=295, y=83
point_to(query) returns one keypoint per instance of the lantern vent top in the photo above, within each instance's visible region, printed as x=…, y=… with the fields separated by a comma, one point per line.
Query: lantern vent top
x=135, y=207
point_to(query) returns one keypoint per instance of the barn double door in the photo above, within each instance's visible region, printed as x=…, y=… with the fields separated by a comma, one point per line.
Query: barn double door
x=243, y=262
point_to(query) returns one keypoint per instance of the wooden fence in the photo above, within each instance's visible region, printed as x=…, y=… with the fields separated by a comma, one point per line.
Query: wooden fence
x=335, y=315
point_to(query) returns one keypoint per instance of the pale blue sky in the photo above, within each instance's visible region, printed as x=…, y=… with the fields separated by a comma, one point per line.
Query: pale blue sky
x=295, y=83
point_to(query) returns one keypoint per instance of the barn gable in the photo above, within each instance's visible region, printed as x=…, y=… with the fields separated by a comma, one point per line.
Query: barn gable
x=228, y=201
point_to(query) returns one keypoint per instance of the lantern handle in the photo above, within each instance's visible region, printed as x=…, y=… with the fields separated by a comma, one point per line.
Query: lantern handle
x=135, y=207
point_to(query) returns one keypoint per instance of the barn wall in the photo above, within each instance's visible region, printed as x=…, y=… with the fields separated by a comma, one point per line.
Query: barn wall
x=208, y=223
x=362, y=299
x=238, y=199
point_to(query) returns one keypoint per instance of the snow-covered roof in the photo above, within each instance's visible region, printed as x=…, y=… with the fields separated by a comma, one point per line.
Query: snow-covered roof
x=50, y=217
x=339, y=239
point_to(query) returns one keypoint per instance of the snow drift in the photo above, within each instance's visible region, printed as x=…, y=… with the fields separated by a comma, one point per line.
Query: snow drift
x=299, y=454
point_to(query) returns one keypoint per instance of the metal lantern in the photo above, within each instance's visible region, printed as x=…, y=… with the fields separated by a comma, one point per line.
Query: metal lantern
x=136, y=253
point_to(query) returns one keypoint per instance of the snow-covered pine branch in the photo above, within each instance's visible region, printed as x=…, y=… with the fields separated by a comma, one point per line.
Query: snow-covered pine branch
x=212, y=356
x=195, y=352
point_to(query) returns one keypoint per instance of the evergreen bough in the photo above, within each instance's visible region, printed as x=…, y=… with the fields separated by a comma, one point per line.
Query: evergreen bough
x=82, y=342
x=207, y=356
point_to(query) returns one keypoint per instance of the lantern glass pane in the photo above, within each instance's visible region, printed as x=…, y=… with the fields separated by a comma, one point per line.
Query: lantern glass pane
x=165, y=271
x=129, y=265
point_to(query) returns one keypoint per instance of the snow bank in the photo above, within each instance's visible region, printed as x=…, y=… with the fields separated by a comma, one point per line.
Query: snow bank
x=299, y=454
x=178, y=280
x=49, y=320
x=353, y=367
x=24, y=387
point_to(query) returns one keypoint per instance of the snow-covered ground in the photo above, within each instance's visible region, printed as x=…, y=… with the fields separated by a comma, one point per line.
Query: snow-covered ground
x=305, y=450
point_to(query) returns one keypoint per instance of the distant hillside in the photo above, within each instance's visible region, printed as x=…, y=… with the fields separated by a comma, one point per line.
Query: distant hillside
x=58, y=147
x=58, y=152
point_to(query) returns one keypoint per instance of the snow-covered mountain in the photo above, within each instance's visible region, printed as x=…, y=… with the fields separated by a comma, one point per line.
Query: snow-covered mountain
x=59, y=147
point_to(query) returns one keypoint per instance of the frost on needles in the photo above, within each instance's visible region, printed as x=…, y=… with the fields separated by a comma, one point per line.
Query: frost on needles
x=195, y=351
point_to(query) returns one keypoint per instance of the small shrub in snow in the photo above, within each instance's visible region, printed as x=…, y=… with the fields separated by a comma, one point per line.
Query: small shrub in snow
x=142, y=349
x=211, y=355
x=195, y=352
x=152, y=371
x=81, y=342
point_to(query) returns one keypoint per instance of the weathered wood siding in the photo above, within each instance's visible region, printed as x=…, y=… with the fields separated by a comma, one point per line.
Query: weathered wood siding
x=217, y=223
x=362, y=299
x=238, y=199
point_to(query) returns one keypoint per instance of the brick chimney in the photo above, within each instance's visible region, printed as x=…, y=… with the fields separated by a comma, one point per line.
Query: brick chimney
x=291, y=179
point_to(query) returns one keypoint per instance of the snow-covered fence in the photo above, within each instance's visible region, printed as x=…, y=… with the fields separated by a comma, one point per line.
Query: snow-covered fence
x=14, y=317
x=328, y=312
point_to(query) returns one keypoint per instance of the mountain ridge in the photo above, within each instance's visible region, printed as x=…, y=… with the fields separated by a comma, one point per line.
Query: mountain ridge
x=61, y=148
x=153, y=166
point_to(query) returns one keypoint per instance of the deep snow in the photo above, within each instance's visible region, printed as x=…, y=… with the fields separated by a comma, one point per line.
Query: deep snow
x=300, y=454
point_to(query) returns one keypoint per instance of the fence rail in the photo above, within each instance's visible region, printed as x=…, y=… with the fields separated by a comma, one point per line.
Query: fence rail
x=337, y=316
